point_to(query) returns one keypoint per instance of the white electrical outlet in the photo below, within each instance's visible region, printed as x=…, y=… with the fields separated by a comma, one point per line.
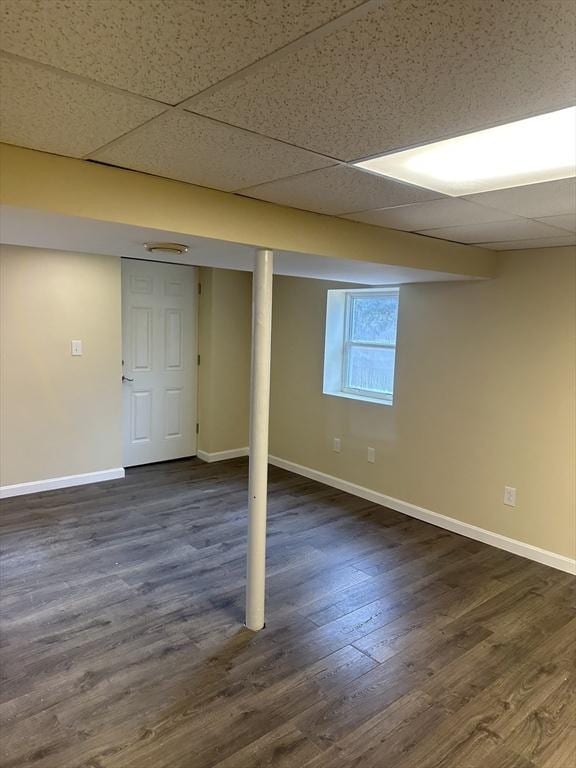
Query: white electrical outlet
x=371, y=455
x=509, y=496
x=336, y=445
x=76, y=348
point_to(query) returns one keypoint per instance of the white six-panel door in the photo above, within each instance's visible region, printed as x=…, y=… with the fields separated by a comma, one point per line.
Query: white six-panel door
x=159, y=339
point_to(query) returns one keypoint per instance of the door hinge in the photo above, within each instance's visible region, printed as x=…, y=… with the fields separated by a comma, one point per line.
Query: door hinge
x=199, y=289
x=197, y=428
x=198, y=360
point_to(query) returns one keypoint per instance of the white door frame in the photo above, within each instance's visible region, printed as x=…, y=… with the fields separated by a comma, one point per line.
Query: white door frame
x=127, y=371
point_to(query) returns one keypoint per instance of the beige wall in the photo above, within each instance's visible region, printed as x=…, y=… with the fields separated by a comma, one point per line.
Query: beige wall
x=485, y=385
x=485, y=397
x=224, y=345
x=117, y=195
x=60, y=415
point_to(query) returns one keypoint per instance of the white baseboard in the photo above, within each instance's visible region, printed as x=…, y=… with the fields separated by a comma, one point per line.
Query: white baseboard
x=53, y=483
x=233, y=453
x=529, y=551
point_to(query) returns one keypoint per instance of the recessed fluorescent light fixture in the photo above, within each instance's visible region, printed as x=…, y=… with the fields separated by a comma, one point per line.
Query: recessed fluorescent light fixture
x=541, y=148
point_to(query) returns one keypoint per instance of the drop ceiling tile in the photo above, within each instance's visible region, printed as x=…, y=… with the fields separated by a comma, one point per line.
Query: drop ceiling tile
x=446, y=212
x=338, y=190
x=550, y=198
x=182, y=146
x=566, y=221
x=408, y=72
x=521, y=245
x=164, y=49
x=48, y=110
x=498, y=231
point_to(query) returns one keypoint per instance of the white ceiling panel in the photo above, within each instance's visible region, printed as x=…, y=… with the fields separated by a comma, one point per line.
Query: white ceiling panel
x=48, y=110
x=521, y=245
x=338, y=190
x=446, y=212
x=566, y=221
x=551, y=198
x=407, y=72
x=164, y=49
x=306, y=84
x=499, y=231
x=182, y=146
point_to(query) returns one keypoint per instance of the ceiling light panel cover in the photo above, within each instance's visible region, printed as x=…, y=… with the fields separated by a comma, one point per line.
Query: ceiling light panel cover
x=533, y=150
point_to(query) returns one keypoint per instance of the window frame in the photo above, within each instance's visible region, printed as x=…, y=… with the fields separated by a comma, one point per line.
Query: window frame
x=338, y=347
x=348, y=343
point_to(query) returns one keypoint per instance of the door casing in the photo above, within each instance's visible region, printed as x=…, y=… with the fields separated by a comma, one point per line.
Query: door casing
x=160, y=361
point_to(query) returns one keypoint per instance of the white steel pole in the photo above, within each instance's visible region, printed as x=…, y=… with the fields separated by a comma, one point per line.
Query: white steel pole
x=259, y=416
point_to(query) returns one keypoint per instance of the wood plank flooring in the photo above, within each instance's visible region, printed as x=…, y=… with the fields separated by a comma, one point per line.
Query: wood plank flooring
x=389, y=643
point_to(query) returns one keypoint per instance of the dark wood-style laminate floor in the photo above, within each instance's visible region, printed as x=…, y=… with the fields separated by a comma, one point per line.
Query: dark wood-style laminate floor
x=389, y=643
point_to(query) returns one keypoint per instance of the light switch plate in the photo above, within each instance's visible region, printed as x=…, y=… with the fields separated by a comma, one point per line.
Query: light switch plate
x=76, y=347
x=509, y=496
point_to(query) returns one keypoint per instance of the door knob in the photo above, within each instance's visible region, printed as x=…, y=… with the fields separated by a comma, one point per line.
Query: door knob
x=125, y=378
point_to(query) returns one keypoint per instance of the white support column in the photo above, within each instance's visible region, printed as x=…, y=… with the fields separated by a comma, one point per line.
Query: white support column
x=259, y=416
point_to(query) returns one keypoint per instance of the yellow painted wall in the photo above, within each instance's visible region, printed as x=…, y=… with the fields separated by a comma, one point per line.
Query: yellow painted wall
x=485, y=397
x=113, y=194
x=59, y=415
x=224, y=345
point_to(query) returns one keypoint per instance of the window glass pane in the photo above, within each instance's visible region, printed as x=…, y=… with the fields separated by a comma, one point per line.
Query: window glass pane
x=371, y=369
x=374, y=318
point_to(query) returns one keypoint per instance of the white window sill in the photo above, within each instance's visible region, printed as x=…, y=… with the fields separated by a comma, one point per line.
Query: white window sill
x=362, y=398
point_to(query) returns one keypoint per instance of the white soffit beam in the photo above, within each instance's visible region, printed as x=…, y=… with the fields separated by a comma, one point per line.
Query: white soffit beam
x=38, y=229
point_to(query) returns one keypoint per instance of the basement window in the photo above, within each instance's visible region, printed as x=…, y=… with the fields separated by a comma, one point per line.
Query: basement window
x=360, y=345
